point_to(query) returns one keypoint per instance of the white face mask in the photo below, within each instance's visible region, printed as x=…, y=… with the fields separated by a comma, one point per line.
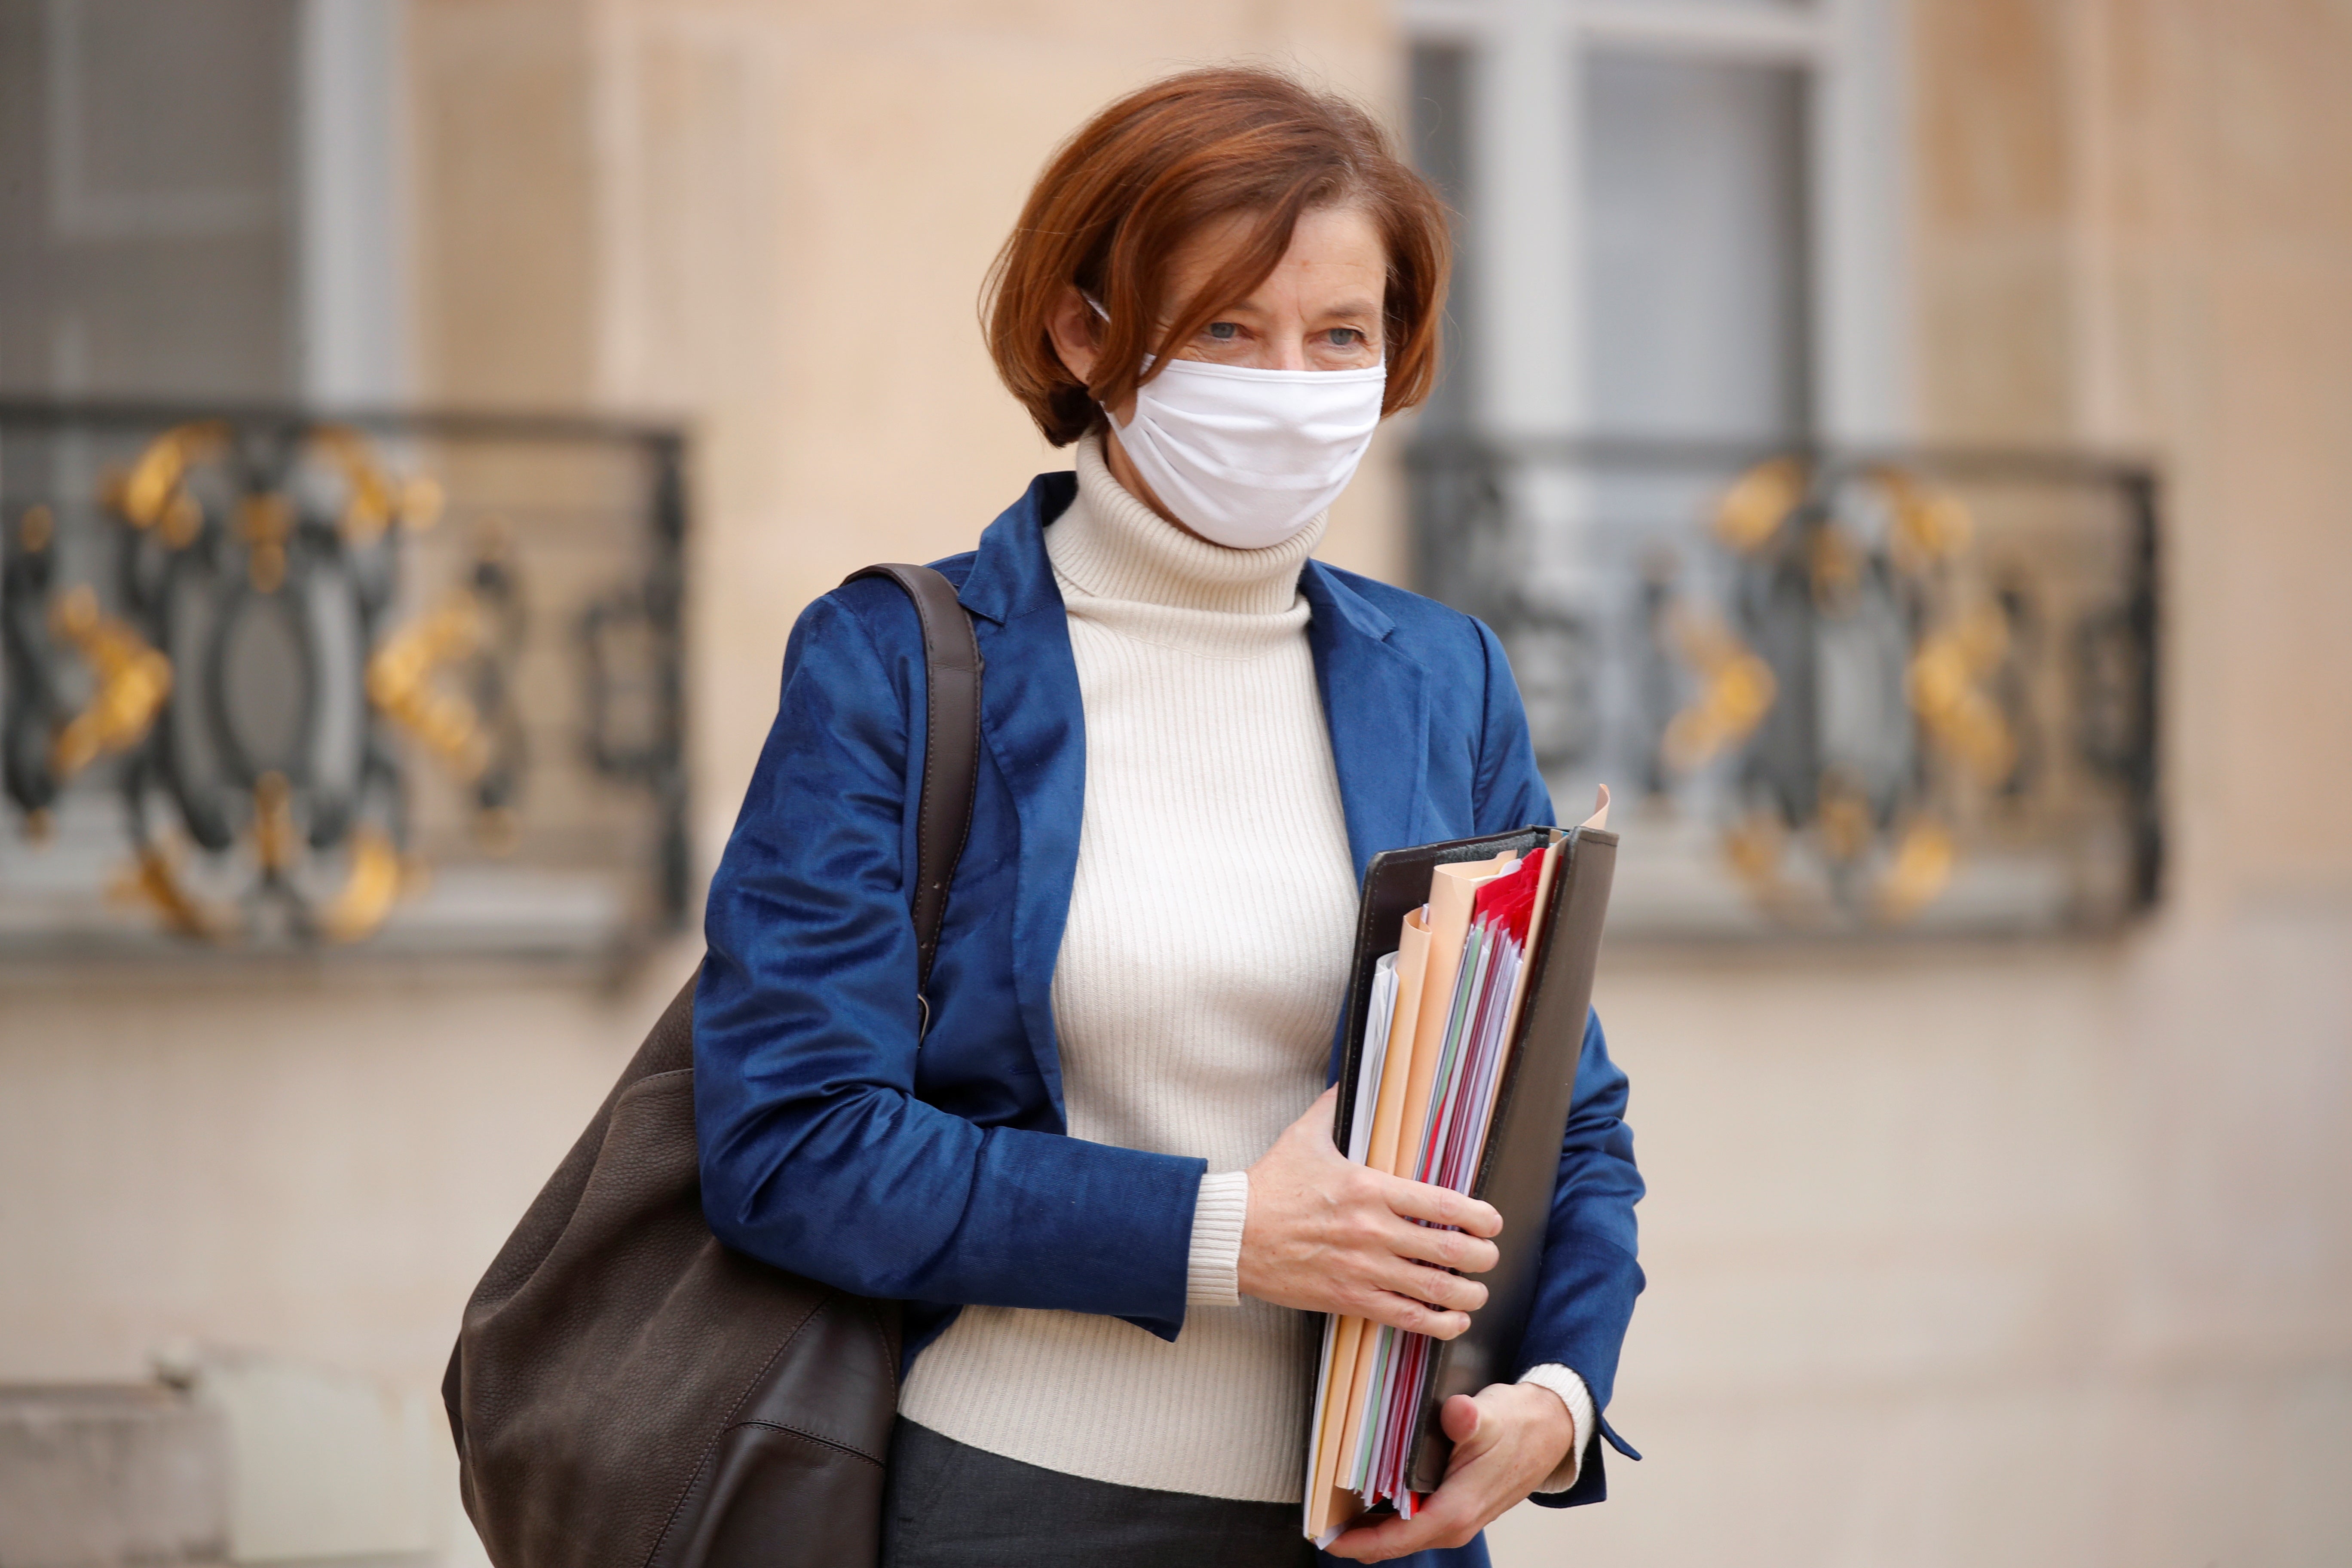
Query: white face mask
x=1246, y=457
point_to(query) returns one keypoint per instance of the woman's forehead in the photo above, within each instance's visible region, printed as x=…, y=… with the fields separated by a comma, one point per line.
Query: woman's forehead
x=1335, y=254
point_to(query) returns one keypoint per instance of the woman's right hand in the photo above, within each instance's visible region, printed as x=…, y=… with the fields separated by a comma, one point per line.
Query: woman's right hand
x=1328, y=1235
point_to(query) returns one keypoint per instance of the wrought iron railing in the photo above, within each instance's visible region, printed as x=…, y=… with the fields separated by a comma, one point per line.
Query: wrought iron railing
x=407, y=683
x=1834, y=691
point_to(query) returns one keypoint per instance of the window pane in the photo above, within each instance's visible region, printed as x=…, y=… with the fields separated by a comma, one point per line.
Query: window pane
x=1439, y=87
x=147, y=241
x=1696, y=262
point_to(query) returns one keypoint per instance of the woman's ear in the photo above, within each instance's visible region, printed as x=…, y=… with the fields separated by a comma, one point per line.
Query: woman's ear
x=1072, y=324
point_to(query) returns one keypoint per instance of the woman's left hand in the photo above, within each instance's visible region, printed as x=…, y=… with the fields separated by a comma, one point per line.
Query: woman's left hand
x=1505, y=1442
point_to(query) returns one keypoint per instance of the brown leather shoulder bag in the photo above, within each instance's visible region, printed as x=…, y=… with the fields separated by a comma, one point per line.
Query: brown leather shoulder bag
x=626, y=1392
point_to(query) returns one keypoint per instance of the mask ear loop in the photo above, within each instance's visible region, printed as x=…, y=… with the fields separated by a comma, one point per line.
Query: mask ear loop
x=1095, y=306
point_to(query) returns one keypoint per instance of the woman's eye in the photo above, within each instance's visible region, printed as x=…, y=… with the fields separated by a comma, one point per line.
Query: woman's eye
x=1346, y=338
x=1225, y=332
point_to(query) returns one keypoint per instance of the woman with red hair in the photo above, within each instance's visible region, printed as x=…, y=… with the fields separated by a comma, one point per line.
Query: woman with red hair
x=1103, y=1180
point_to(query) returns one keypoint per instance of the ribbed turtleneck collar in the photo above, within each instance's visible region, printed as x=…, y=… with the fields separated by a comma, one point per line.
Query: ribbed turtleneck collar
x=1109, y=545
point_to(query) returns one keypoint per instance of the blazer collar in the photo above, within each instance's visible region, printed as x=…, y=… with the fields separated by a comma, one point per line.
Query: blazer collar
x=1327, y=589
x=1010, y=575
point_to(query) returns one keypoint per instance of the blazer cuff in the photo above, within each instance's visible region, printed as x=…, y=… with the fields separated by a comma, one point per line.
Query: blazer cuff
x=1212, y=1273
x=1572, y=1392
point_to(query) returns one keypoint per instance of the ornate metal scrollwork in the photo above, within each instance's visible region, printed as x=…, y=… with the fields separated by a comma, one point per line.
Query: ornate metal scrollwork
x=230, y=633
x=1885, y=710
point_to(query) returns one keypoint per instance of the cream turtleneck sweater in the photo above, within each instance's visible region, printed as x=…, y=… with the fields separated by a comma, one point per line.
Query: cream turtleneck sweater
x=1194, y=1021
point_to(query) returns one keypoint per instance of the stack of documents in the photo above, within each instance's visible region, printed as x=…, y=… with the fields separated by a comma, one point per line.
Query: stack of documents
x=1441, y=1050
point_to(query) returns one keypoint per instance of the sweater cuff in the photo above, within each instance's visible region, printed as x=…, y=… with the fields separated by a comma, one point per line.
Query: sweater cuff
x=1579, y=1400
x=1213, y=1274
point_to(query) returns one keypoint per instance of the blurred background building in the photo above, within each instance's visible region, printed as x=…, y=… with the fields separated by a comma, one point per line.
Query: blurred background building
x=1902, y=441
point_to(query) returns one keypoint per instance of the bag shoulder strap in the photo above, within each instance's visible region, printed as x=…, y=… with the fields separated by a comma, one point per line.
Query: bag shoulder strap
x=952, y=666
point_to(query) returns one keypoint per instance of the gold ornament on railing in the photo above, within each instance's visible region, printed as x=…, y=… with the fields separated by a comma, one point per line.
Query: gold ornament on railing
x=400, y=682
x=1942, y=683
x=265, y=524
x=249, y=694
x=153, y=493
x=1930, y=524
x=375, y=499
x=1834, y=562
x=379, y=878
x=152, y=881
x=1753, y=847
x=1752, y=510
x=1944, y=672
x=1737, y=690
x=1841, y=816
x=133, y=683
x=1919, y=871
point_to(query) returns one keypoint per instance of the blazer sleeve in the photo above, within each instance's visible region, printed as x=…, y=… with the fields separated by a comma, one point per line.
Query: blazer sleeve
x=1584, y=1296
x=816, y=1154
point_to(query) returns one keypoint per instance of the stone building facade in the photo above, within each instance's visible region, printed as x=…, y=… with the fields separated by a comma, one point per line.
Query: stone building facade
x=2030, y=1252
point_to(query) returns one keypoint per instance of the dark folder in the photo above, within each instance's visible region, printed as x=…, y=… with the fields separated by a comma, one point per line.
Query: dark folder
x=1519, y=1163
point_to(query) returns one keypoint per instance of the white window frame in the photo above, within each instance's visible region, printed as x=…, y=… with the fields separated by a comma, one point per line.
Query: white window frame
x=1527, y=207
x=355, y=300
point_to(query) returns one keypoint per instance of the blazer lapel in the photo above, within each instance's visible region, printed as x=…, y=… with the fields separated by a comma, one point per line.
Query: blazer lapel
x=1033, y=723
x=1376, y=706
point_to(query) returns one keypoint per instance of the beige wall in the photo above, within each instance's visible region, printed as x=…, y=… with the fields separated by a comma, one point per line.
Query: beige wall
x=2032, y=1254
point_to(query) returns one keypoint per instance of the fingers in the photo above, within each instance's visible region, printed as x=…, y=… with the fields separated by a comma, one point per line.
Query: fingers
x=1460, y=1418
x=1446, y=1249
x=1327, y=1235
x=1462, y=1504
x=1442, y=1206
x=1410, y=1314
x=1452, y=1293
x=1438, y=1524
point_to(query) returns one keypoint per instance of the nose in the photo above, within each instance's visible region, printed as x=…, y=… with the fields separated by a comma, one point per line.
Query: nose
x=1287, y=352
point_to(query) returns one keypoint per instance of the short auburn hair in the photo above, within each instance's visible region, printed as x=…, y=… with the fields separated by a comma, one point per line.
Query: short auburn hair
x=1122, y=195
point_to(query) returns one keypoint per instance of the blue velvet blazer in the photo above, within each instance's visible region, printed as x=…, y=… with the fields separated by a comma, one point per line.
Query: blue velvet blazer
x=836, y=1145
